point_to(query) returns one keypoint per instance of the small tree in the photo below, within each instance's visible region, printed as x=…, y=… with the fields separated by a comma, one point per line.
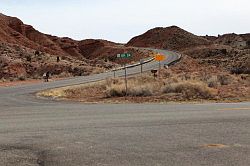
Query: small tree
x=58, y=59
x=248, y=43
x=37, y=52
x=29, y=58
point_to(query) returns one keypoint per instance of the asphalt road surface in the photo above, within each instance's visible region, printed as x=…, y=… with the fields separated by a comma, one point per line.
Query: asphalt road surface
x=51, y=133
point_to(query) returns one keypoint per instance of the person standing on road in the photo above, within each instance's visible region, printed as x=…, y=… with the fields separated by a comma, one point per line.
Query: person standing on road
x=46, y=76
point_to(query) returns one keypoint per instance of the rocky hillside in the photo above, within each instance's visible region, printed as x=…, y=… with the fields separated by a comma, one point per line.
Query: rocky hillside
x=222, y=56
x=230, y=51
x=26, y=52
x=173, y=38
x=14, y=31
x=19, y=41
x=238, y=41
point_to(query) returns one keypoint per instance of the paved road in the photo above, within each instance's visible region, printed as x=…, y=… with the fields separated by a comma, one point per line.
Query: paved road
x=48, y=133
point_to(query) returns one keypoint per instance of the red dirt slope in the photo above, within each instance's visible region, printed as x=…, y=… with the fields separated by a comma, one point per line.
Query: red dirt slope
x=173, y=38
x=14, y=31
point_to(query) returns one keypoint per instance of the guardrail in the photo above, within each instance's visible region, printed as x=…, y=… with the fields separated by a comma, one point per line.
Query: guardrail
x=147, y=61
x=176, y=61
x=134, y=65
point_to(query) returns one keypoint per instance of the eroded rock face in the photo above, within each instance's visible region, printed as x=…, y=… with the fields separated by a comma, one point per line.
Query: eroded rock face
x=22, y=42
x=14, y=31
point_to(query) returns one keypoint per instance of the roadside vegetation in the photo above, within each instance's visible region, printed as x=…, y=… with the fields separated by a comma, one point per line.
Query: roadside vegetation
x=186, y=81
x=168, y=88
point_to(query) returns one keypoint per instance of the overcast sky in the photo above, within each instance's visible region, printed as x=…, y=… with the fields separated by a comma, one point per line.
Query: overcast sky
x=119, y=20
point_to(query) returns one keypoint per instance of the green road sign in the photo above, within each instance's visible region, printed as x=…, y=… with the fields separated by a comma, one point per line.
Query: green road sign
x=125, y=55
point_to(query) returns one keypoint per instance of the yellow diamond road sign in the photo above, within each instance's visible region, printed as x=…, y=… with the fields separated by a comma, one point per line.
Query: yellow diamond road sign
x=160, y=57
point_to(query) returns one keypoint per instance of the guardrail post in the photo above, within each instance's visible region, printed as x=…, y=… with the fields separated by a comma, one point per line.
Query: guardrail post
x=141, y=67
x=159, y=72
x=126, y=82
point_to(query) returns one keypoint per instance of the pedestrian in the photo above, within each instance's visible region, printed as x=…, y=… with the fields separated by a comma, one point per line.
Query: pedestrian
x=47, y=76
x=44, y=77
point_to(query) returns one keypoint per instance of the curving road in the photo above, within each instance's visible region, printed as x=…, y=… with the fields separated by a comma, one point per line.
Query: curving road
x=49, y=133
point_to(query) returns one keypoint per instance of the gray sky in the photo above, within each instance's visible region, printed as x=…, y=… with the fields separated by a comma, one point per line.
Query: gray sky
x=120, y=20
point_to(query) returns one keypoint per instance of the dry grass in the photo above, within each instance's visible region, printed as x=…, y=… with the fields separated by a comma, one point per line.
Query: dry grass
x=135, y=90
x=141, y=86
x=213, y=82
x=146, y=88
x=98, y=70
x=54, y=93
x=191, y=90
x=225, y=79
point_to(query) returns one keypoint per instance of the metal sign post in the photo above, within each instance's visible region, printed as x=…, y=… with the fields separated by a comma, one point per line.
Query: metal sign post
x=126, y=81
x=159, y=68
x=159, y=58
x=125, y=55
x=141, y=62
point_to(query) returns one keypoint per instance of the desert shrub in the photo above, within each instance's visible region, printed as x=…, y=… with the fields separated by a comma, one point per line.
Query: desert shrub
x=190, y=89
x=224, y=79
x=173, y=79
x=185, y=77
x=98, y=70
x=37, y=52
x=224, y=51
x=3, y=80
x=36, y=76
x=143, y=79
x=140, y=91
x=115, y=91
x=28, y=58
x=135, y=89
x=240, y=71
x=80, y=71
x=112, y=58
x=213, y=82
x=166, y=73
x=22, y=78
x=205, y=77
x=248, y=43
x=119, y=91
x=39, y=57
x=64, y=74
x=11, y=79
x=110, y=81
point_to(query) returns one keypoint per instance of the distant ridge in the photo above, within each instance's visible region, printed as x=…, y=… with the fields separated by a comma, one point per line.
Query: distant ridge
x=173, y=38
